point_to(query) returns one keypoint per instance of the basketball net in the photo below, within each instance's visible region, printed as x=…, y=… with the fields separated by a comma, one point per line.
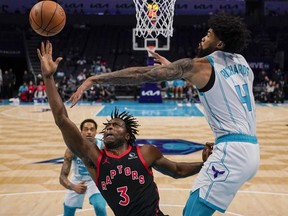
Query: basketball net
x=154, y=17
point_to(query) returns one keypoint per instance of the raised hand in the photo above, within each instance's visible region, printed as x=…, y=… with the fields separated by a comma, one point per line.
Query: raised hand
x=158, y=58
x=48, y=66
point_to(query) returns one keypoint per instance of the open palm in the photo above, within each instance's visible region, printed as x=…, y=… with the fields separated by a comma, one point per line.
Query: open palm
x=48, y=66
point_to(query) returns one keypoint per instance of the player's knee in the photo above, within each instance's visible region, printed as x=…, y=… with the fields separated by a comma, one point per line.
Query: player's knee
x=69, y=211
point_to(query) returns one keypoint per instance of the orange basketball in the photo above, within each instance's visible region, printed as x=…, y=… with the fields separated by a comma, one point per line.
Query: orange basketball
x=47, y=18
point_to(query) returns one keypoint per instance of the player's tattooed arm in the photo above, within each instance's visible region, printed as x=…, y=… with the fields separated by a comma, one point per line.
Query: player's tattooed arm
x=65, y=170
x=173, y=71
x=138, y=75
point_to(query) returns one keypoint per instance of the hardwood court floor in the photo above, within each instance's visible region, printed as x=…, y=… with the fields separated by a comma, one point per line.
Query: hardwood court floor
x=28, y=135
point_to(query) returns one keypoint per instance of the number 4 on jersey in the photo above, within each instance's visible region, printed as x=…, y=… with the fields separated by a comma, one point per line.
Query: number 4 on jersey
x=246, y=98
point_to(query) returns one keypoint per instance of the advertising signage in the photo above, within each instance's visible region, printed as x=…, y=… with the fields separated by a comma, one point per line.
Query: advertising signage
x=127, y=7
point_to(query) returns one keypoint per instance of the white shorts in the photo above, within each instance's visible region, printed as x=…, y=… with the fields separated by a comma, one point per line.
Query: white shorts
x=226, y=170
x=73, y=199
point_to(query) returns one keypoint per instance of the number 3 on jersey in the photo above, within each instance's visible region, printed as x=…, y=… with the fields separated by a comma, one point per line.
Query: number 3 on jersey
x=246, y=98
x=123, y=193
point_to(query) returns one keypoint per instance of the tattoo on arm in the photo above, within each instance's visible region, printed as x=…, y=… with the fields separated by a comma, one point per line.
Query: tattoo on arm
x=173, y=71
x=127, y=76
x=65, y=170
x=138, y=75
x=67, y=165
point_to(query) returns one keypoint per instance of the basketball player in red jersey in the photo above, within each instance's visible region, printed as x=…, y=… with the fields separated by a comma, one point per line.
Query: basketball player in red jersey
x=122, y=171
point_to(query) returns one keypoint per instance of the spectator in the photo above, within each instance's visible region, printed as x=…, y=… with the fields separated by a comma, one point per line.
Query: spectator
x=23, y=92
x=41, y=86
x=262, y=77
x=81, y=76
x=179, y=88
x=191, y=93
x=40, y=95
x=278, y=94
x=107, y=93
x=27, y=76
x=92, y=94
x=31, y=90
x=277, y=75
x=170, y=89
x=62, y=85
x=7, y=85
x=269, y=91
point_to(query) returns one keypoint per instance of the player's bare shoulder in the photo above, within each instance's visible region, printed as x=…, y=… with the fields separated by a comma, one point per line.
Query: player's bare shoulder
x=198, y=71
x=200, y=63
x=150, y=153
x=148, y=148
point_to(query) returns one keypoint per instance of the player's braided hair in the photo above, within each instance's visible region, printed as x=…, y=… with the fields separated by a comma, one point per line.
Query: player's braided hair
x=231, y=30
x=130, y=122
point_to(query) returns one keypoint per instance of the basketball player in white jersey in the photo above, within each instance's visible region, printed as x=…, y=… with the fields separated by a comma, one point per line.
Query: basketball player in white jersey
x=224, y=81
x=80, y=182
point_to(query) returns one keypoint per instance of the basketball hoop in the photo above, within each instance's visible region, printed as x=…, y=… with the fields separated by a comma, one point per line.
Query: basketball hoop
x=154, y=17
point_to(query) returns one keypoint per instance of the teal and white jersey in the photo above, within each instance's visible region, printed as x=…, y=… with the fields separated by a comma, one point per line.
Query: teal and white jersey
x=229, y=105
x=79, y=171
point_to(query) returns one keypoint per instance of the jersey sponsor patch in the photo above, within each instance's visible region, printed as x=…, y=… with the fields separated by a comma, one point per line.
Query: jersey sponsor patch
x=132, y=155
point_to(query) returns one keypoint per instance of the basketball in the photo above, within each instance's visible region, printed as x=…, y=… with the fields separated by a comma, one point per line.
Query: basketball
x=47, y=18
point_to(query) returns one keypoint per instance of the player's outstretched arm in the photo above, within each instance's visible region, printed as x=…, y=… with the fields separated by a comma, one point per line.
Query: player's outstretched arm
x=128, y=76
x=71, y=134
x=135, y=76
x=155, y=158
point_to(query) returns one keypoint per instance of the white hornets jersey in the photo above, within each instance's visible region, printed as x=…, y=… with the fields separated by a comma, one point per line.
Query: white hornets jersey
x=79, y=171
x=229, y=105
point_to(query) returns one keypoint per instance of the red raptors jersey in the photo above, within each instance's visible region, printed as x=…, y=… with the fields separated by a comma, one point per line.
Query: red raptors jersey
x=127, y=184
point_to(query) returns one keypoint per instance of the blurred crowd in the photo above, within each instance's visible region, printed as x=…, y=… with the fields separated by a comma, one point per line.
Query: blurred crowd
x=269, y=86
